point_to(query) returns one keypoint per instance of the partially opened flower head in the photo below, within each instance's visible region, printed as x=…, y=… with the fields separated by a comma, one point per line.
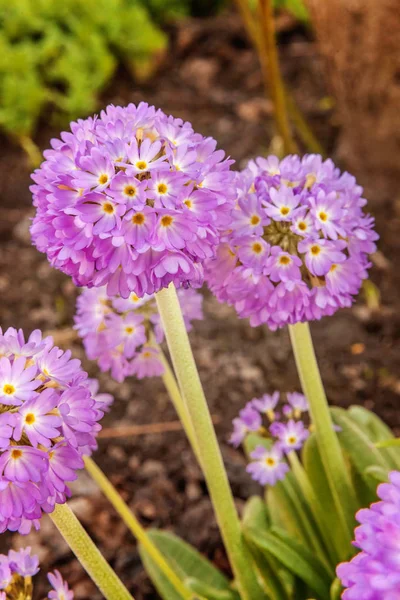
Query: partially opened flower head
x=16, y=571
x=298, y=245
x=123, y=334
x=49, y=418
x=132, y=199
x=374, y=573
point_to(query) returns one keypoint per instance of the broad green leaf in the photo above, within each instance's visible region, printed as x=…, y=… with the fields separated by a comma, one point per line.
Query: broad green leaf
x=388, y=443
x=294, y=557
x=208, y=592
x=301, y=549
x=190, y=561
x=255, y=516
x=357, y=445
x=160, y=582
x=312, y=463
x=377, y=431
x=336, y=590
x=378, y=474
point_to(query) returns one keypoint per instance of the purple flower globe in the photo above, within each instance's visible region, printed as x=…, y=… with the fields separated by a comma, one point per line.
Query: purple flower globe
x=298, y=243
x=374, y=573
x=49, y=418
x=16, y=571
x=123, y=334
x=133, y=200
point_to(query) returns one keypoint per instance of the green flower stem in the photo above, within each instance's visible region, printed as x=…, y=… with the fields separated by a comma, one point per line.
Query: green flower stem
x=328, y=443
x=88, y=554
x=135, y=527
x=320, y=518
x=179, y=405
x=210, y=454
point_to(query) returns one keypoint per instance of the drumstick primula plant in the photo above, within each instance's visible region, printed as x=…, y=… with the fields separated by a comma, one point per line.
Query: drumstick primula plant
x=135, y=205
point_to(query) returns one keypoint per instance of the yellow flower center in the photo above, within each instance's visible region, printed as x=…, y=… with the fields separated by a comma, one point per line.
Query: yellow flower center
x=285, y=210
x=108, y=208
x=141, y=165
x=30, y=419
x=129, y=330
x=302, y=226
x=255, y=219
x=130, y=190
x=323, y=216
x=257, y=248
x=284, y=260
x=188, y=203
x=333, y=268
x=166, y=220
x=162, y=188
x=134, y=298
x=270, y=462
x=103, y=178
x=8, y=389
x=292, y=439
x=315, y=250
x=138, y=219
x=146, y=354
x=15, y=454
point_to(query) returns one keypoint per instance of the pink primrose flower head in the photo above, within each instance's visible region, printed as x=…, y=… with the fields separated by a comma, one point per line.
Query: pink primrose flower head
x=298, y=242
x=133, y=200
x=123, y=334
x=374, y=573
x=49, y=418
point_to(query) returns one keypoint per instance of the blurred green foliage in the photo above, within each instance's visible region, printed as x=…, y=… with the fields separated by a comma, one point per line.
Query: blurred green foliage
x=65, y=51
x=296, y=7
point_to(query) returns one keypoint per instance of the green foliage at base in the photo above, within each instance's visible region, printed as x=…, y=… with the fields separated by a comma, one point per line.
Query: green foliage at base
x=293, y=535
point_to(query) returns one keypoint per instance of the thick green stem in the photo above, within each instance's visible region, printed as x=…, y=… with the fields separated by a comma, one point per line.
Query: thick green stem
x=210, y=454
x=88, y=554
x=135, y=527
x=328, y=443
x=172, y=388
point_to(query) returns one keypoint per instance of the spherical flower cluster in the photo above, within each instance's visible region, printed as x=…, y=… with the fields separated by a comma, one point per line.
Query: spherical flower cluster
x=374, y=573
x=132, y=199
x=268, y=465
x=298, y=244
x=16, y=572
x=123, y=334
x=49, y=417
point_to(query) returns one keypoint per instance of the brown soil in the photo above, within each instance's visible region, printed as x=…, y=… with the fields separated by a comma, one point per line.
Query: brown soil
x=211, y=78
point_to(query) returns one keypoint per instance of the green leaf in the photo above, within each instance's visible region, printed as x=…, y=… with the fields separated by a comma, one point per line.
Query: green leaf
x=186, y=561
x=378, y=474
x=377, y=431
x=294, y=557
x=357, y=445
x=312, y=463
x=336, y=590
x=255, y=516
x=388, y=443
x=208, y=592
